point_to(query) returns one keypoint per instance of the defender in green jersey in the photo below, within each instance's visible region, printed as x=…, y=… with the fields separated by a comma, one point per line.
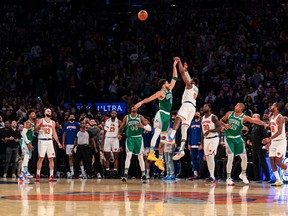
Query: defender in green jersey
x=233, y=122
x=162, y=116
x=134, y=123
x=26, y=144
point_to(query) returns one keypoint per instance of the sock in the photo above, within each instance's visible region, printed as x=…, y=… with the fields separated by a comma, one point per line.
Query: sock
x=182, y=146
x=143, y=173
x=243, y=172
x=128, y=160
x=151, y=149
x=126, y=172
x=211, y=165
x=115, y=170
x=228, y=175
x=155, y=137
x=72, y=170
x=172, y=134
x=148, y=171
x=276, y=174
x=24, y=169
x=25, y=163
x=51, y=172
x=195, y=173
x=82, y=170
x=107, y=169
x=38, y=172
x=160, y=156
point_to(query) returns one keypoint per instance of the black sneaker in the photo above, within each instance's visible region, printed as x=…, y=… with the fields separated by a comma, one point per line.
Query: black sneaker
x=124, y=178
x=144, y=179
x=107, y=174
x=211, y=180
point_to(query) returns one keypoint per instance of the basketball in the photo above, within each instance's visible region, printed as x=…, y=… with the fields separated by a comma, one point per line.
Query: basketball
x=142, y=15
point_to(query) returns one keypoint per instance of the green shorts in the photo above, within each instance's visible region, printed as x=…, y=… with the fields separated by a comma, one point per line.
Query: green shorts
x=235, y=145
x=162, y=120
x=135, y=144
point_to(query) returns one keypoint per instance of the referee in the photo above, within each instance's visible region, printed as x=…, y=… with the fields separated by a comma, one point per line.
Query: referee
x=83, y=150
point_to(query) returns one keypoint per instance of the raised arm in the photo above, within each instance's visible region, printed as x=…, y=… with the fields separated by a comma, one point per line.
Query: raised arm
x=158, y=94
x=174, y=75
x=184, y=76
x=254, y=121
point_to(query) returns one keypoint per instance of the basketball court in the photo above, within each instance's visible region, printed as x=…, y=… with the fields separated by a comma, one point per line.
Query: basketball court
x=112, y=198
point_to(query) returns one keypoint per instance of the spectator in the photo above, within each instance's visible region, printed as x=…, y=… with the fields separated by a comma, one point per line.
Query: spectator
x=12, y=139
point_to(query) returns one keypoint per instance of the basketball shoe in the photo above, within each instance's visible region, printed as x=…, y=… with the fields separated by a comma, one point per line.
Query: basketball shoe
x=152, y=156
x=243, y=177
x=179, y=155
x=159, y=164
x=229, y=182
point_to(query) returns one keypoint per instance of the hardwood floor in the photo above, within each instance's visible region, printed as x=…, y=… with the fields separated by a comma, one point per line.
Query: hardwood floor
x=112, y=198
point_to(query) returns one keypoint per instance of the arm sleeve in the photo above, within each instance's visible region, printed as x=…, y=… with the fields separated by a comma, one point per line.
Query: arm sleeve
x=23, y=134
x=147, y=127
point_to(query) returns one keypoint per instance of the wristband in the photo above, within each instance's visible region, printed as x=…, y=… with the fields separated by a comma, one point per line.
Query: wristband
x=175, y=78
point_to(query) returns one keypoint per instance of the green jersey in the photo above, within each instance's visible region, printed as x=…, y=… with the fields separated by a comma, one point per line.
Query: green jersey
x=131, y=127
x=166, y=103
x=236, y=125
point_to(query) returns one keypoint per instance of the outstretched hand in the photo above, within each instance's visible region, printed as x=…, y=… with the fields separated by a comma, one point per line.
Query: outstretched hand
x=139, y=104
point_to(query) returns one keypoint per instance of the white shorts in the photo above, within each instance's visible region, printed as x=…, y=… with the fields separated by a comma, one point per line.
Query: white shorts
x=211, y=145
x=69, y=149
x=46, y=147
x=111, y=144
x=278, y=148
x=186, y=113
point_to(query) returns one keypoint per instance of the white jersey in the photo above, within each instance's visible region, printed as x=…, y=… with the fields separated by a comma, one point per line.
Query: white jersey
x=190, y=95
x=111, y=128
x=208, y=124
x=274, y=128
x=46, y=130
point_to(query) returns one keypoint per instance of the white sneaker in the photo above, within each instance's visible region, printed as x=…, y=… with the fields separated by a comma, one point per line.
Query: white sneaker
x=83, y=176
x=277, y=183
x=229, y=182
x=5, y=175
x=243, y=177
x=14, y=176
x=179, y=155
x=68, y=175
x=22, y=179
x=27, y=175
x=99, y=176
x=168, y=140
